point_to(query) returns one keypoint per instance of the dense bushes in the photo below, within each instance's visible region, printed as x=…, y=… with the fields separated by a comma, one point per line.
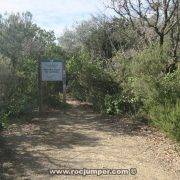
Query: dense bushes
x=147, y=72
x=121, y=104
x=167, y=117
x=22, y=45
x=108, y=64
x=5, y=74
x=24, y=99
x=88, y=81
x=135, y=84
x=132, y=80
x=20, y=95
x=159, y=91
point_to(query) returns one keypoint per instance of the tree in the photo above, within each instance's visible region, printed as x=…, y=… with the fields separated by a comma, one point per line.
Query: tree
x=160, y=15
x=175, y=36
x=20, y=37
x=101, y=36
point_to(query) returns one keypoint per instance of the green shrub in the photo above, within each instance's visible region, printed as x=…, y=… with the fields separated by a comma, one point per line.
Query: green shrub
x=169, y=87
x=120, y=104
x=167, y=118
x=4, y=120
x=133, y=85
x=20, y=95
x=88, y=81
x=23, y=93
x=5, y=75
x=114, y=104
x=146, y=71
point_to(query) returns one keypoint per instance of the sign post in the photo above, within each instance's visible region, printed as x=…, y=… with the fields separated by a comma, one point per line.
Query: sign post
x=39, y=87
x=64, y=84
x=51, y=71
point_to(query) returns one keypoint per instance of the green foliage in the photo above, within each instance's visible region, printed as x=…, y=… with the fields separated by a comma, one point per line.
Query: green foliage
x=120, y=104
x=88, y=81
x=167, y=118
x=130, y=84
x=120, y=73
x=114, y=105
x=20, y=38
x=159, y=92
x=74, y=70
x=4, y=120
x=102, y=37
x=146, y=74
x=21, y=91
x=22, y=45
x=169, y=87
x=108, y=64
x=151, y=61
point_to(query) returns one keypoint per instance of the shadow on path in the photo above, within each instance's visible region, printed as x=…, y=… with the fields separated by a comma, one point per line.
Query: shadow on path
x=25, y=147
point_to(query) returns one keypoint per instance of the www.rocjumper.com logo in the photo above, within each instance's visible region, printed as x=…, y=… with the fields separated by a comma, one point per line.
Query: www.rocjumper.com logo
x=97, y=172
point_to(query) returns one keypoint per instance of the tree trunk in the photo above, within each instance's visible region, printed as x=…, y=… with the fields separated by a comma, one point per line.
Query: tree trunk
x=161, y=40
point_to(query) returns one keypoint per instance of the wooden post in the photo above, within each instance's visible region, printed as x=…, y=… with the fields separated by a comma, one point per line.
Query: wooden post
x=40, y=87
x=64, y=83
x=64, y=93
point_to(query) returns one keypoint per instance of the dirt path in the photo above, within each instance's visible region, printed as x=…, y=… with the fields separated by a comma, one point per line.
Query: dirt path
x=79, y=138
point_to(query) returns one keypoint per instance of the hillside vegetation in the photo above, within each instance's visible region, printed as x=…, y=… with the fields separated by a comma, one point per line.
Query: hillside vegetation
x=127, y=64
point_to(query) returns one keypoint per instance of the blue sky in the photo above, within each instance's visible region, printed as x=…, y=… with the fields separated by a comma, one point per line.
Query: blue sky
x=55, y=14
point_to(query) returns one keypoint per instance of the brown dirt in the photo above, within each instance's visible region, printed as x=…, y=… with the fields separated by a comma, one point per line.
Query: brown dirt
x=79, y=138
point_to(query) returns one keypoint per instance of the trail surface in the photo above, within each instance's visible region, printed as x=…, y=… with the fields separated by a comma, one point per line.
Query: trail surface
x=79, y=138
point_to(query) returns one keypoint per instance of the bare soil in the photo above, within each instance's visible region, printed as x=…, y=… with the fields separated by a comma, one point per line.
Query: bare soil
x=79, y=138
